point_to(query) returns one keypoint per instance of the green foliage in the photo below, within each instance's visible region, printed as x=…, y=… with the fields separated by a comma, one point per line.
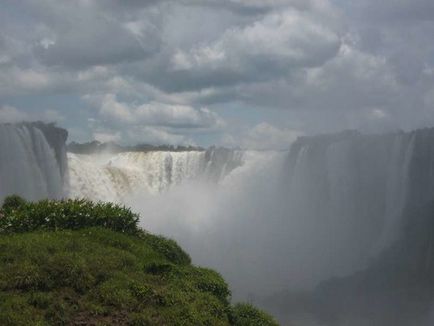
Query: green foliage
x=65, y=277
x=158, y=267
x=168, y=248
x=247, y=315
x=72, y=214
x=16, y=311
x=99, y=274
x=13, y=202
x=78, y=262
x=207, y=280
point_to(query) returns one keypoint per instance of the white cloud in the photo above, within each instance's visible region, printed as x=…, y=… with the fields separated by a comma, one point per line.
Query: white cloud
x=156, y=114
x=112, y=109
x=106, y=137
x=158, y=136
x=320, y=60
x=38, y=80
x=85, y=34
x=263, y=136
x=350, y=81
x=11, y=114
x=378, y=114
x=46, y=42
x=277, y=44
x=52, y=116
x=177, y=116
x=31, y=79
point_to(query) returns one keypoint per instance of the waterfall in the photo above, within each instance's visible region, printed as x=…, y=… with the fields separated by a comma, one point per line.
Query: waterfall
x=322, y=209
x=113, y=177
x=32, y=161
x=348, y=191
x=335, y=202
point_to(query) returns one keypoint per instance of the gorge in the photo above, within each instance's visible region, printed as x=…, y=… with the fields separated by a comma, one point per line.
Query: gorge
x=330, y=207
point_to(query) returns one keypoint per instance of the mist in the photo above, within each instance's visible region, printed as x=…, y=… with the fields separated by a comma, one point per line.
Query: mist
x=230, y=226
x=293, y=231
x=335, y=231
x=244, y=228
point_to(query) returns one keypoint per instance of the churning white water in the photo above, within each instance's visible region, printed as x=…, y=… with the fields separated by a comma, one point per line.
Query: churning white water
x=121, y=176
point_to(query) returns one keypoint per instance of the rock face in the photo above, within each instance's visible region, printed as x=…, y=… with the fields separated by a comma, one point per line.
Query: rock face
x=33, y=161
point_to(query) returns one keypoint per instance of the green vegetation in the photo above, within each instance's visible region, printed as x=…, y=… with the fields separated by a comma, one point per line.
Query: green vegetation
x=246, y=315
x=75, y=262
x=20, y=216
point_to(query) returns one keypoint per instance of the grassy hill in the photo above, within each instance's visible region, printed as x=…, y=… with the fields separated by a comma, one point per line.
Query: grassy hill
x=79, y=263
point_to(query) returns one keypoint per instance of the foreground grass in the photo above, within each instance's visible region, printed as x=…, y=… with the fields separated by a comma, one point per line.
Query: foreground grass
x=98, y=276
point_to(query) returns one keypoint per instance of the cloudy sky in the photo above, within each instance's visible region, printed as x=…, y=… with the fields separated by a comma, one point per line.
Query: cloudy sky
x=249, y=73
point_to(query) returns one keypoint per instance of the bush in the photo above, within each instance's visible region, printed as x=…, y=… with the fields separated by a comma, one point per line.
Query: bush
x=18, y=216
x=13, y=202
x=245, y=315
x=207, y=280
x=158, y=267
x=168, y=248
